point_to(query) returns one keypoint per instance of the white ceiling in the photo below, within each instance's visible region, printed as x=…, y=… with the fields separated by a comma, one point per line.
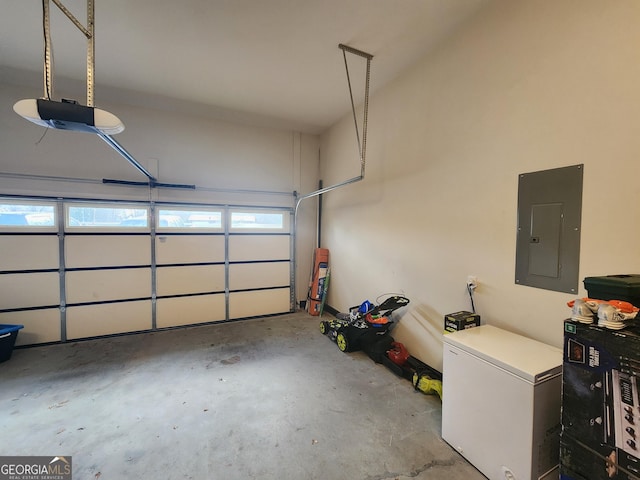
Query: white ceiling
x=274, y=61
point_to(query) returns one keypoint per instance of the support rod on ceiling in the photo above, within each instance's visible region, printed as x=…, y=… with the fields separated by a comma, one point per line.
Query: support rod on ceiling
x=355, y=51
x=88, y=31
x=91, y=52
x=48, y=62
x=361, y=145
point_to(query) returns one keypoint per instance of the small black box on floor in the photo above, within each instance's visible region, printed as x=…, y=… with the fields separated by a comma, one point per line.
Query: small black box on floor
x=614, y=287
x=8, y=335
x=460, y=321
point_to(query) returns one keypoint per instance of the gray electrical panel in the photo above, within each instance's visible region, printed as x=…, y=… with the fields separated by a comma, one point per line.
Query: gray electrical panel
x=549, y=224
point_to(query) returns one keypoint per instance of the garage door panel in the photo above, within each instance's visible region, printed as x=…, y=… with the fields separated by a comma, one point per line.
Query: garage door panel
x=85, y=286
x=107, y=250
x=177, y=311
x=258, y=247
x=108, y=318
x=189, y=279
x=40, y=326
x=22, y=252
x=259, y=302
x=113, y=278
x=174, y=249
x=20, y=290
x=259, y=275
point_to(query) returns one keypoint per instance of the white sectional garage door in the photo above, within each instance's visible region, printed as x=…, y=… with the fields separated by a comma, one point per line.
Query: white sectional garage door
x=73, y=269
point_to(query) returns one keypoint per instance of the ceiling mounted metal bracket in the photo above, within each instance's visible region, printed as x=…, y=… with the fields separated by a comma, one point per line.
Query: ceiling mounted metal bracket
x=362, y=145
x=68, y=115
x=355, y=51
x=88, y=31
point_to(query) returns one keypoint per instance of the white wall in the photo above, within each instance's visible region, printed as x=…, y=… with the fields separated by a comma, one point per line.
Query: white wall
x=524, y=86
x=215, y=155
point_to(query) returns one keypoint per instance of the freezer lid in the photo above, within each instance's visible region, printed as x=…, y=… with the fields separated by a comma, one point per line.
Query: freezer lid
x=529, y=359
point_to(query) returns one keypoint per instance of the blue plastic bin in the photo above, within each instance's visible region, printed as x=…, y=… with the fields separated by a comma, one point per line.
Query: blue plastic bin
x=8, y=335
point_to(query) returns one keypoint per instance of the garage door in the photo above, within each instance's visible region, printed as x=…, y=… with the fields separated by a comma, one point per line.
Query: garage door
x=74, y=269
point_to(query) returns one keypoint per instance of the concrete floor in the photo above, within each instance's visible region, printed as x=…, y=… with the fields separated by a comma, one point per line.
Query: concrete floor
x=266, y=399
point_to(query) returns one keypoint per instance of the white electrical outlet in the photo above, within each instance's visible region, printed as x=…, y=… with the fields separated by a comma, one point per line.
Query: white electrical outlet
x=472, y=281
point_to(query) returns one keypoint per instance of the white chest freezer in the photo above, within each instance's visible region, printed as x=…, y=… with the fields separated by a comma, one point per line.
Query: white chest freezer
x=501, y=402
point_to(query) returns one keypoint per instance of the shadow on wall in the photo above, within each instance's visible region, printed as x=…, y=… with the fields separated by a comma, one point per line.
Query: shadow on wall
x=420, y=330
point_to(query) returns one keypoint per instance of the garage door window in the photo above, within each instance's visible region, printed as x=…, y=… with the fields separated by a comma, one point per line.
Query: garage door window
x=26, y=215
x=189, y=219
x=257, y=220
x=109, y=216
